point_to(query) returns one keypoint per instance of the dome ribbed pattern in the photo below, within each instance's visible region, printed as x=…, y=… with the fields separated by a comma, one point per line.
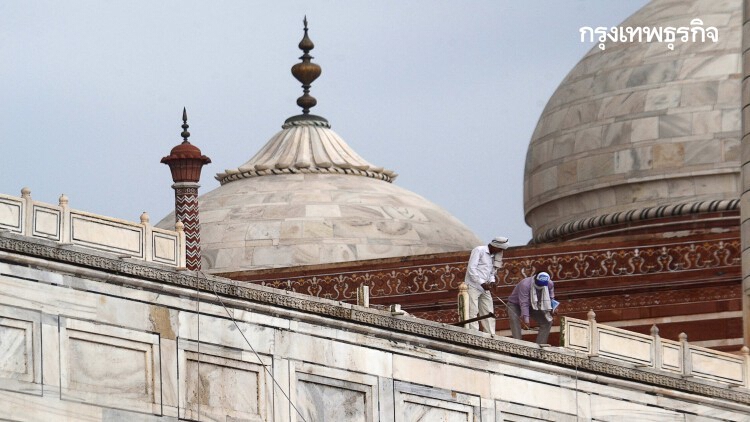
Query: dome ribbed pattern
x=306, y=146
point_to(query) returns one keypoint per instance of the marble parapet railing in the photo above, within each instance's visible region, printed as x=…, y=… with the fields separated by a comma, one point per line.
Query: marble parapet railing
x=59, y=223
x=603, y=342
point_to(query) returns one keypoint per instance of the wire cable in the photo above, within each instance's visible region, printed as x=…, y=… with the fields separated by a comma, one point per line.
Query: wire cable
x=575, y=359
x=198, y=312
x=265, y=367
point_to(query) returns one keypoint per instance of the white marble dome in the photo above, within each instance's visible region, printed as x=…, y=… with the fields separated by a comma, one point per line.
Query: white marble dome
x=638, y=130
x=307, y=198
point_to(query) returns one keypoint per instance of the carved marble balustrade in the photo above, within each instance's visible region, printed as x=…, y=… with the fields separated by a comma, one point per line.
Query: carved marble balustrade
x=59, y=223
x=602, y=342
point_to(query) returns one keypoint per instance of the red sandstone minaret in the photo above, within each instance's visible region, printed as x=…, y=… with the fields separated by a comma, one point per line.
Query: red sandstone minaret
x=185, y=161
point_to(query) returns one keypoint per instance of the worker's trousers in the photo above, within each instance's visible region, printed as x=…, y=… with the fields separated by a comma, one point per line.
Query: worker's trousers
x=480, y=303
x=514, y=315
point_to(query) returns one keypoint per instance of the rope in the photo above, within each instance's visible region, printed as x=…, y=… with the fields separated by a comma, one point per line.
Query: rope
x=231, y=316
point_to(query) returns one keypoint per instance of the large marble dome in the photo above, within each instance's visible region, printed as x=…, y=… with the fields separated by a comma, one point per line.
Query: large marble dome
x=638, y=131
x=307, y=198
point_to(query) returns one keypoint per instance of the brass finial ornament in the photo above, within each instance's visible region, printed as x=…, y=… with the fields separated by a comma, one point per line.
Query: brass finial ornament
x=185, y=160
x=306, y=72
x=185, y=134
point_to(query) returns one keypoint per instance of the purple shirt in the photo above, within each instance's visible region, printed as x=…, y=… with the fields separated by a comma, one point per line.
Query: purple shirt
x=522, y=293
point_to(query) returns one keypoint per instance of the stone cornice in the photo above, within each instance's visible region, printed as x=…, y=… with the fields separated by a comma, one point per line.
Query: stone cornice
x=636, y=215
x=382, y=320
x=231, y=175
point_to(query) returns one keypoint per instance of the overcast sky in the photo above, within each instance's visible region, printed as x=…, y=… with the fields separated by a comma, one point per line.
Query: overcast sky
x=445, y=93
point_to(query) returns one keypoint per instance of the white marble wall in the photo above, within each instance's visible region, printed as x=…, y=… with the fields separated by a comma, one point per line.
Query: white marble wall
x=81, y=344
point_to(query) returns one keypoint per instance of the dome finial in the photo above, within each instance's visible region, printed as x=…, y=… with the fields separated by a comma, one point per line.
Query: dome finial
x=185, y=134
x=306, y=44
x=306, y=72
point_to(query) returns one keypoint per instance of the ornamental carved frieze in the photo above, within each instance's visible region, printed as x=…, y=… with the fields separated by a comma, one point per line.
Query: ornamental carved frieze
x=600, y=263
x=566, y=266
x=396, y=282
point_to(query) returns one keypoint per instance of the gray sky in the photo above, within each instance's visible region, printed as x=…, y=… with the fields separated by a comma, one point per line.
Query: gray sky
x=445, y=93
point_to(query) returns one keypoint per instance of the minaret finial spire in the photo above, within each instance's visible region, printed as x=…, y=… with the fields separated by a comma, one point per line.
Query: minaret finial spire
x=306, y=72
x=185, y=134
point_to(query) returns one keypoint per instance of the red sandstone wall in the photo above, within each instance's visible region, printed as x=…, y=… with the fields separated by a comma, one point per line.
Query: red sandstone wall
x=687, y=284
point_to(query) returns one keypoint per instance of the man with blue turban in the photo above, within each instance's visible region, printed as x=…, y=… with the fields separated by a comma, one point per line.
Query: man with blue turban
x=533, y=297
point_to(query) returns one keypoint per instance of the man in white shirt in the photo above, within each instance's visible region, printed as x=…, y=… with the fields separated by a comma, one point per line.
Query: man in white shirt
x=480, y=278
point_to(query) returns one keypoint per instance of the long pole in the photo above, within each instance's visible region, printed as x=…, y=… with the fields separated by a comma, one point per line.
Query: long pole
x=490, y=315
x=469, y=321
x=525, y=327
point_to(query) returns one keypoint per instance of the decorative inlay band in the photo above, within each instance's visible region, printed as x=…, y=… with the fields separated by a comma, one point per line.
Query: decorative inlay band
x=231, y=175
x=391, y=282
x=618, y=262
x=589, y=264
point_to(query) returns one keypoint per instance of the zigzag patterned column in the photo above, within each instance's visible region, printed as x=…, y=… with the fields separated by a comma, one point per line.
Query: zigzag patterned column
x=185, y=162
x=186, y=211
